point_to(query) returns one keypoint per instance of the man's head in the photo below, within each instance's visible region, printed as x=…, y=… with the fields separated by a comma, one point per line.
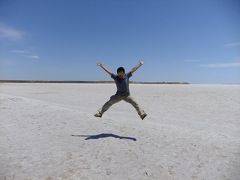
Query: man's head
x=121, y=72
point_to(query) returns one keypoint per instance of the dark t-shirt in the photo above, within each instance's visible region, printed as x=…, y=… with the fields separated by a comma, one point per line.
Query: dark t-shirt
x=122, y=84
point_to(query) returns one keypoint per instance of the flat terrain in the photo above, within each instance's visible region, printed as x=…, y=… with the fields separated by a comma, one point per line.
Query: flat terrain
x=48, y=131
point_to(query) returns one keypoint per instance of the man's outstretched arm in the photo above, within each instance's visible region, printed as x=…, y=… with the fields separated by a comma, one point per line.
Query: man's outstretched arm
x=104, y=68
x=137, y=66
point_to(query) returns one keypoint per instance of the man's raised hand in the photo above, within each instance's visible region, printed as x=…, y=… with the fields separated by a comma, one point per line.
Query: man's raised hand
x=104, y=68
x=99, y=64
x=137, y=66
x=141, y=62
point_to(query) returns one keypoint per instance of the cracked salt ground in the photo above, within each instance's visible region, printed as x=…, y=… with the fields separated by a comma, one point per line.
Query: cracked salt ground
x=192, y=132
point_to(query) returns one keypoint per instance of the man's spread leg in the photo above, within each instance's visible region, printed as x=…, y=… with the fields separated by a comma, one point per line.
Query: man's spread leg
x=113, y=99
x=140, y=111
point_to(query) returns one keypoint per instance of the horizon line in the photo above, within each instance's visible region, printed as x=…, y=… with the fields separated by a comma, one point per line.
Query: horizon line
x=108, y=82
x=88, y=81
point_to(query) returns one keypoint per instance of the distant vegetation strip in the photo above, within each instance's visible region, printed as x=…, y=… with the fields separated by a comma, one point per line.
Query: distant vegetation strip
x=43, y=81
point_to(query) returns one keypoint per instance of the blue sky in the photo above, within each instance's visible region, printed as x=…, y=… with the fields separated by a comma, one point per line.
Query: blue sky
x=189, y=40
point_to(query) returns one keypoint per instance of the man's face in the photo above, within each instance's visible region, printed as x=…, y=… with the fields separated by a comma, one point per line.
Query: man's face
x=121, y=74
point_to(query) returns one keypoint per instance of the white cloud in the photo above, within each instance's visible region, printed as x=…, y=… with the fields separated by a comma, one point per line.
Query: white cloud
x=232, y=44
x=26, y=53
x=221, y=65
x=10, y=33
x=34, y=56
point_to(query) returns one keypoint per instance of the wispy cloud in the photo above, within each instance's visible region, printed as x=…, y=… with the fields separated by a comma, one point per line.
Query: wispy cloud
x=26, y=53
x=221, y=65
x=10, y=33
x=232, y=44
x=34, y=56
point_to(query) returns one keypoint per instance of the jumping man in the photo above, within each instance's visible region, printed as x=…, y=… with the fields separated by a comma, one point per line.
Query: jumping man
x=123, y=93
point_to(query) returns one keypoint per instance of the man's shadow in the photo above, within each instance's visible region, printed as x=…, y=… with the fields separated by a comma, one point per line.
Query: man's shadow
x=105, y=135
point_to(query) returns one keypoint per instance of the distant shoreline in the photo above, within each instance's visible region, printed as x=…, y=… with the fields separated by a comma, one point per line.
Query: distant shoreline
x=44, y=81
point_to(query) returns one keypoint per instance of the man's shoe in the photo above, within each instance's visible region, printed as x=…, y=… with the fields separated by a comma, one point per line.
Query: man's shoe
x=98, y=114
x=143, y=115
